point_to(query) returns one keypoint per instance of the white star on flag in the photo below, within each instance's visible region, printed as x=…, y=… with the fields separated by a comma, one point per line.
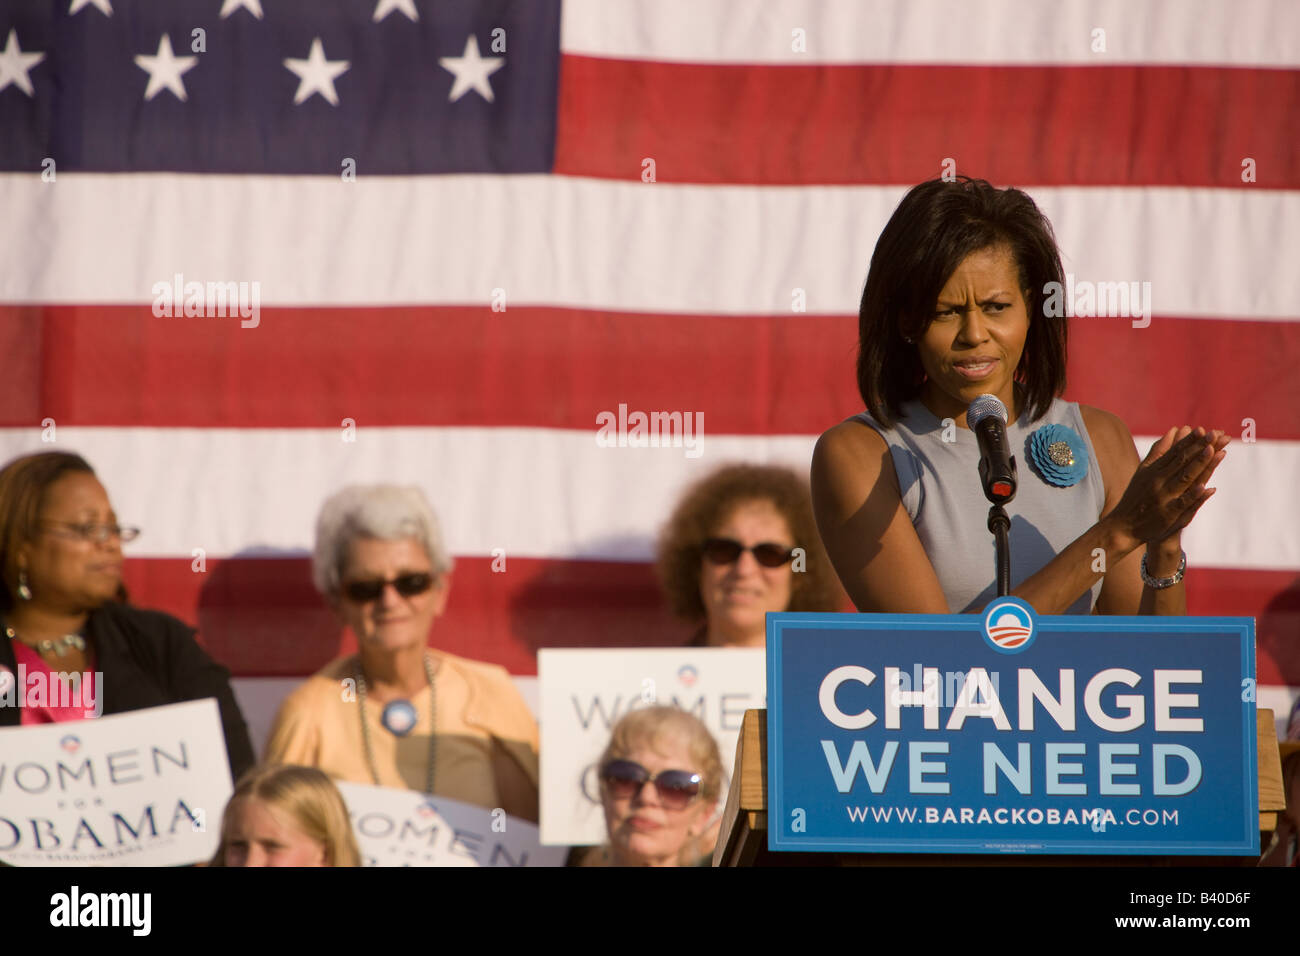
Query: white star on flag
x=165, y=70
x=252, y=6
x=471, y=71
x=105, y=6
x=317, y=74
x=384, y=7
x=14, y=64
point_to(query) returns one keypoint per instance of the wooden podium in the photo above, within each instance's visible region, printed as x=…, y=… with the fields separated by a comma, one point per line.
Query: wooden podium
x=742, y=836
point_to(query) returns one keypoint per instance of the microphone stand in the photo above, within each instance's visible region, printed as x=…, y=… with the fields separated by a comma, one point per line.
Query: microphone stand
x=997, y=468
x=1000, y=525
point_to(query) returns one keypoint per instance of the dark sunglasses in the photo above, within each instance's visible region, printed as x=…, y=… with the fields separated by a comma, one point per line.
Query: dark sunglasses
x=676, y=788
x=727, y=551
x=407, y=585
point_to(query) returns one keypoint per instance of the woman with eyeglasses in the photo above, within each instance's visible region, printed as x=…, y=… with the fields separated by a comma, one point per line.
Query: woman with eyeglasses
x=660, y=777
x=743, y=542
x=399, y=713
x=65, y=612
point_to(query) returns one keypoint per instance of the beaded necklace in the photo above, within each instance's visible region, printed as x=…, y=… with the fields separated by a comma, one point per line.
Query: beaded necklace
x=59, y=645
x=390, y=721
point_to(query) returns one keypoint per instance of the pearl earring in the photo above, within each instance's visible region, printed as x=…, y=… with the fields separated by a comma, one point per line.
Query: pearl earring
x=24, y=592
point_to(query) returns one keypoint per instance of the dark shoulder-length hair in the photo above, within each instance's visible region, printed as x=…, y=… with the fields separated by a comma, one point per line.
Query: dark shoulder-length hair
x=23, y=483
x=937, y=225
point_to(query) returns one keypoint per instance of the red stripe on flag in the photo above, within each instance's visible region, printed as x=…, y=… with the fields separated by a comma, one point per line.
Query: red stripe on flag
x=261, y=617
x=1210, y=372
x=557, y=368
x=1272, y=598
x=890, y=124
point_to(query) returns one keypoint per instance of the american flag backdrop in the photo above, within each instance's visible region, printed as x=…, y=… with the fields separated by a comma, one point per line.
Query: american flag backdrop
x=472, y=228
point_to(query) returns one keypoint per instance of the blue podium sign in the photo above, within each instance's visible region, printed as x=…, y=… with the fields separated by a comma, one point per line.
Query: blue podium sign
x=1008, y=732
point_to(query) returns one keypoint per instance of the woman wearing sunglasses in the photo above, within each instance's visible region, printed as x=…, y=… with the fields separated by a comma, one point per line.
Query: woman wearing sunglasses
x=660, y=777
x=65, y=612
x=399, y=713
x=743, y=542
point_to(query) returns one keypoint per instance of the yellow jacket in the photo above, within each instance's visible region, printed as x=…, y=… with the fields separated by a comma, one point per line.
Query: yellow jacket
x=486, y=749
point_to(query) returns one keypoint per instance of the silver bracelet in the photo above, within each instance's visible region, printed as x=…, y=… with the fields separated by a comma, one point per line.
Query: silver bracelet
x=1159, y=584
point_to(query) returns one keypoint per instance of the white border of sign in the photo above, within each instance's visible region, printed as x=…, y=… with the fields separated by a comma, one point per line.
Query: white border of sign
x=584, y=692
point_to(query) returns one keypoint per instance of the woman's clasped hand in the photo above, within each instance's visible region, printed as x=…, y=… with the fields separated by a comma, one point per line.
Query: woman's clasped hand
x=1168, y=488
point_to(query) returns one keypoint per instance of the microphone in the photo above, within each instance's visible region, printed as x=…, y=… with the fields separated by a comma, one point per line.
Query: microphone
x=987, y=418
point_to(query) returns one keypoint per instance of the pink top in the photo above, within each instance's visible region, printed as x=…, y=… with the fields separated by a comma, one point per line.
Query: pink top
x=46, y=699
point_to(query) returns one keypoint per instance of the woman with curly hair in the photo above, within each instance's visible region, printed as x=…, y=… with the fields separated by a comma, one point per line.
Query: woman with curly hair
x=743, y=542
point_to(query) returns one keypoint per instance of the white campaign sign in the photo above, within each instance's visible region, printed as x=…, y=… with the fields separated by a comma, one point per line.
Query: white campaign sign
x=145, y=788
x=585, y=692
x=409, y=828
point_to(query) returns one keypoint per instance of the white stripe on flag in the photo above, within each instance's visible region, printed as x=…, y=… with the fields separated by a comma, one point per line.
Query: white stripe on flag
x=563, y=241
x=545, y=493
x=1255, y=33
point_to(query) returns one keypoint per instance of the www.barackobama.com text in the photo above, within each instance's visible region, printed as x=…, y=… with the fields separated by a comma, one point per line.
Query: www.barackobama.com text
x=1096, y=817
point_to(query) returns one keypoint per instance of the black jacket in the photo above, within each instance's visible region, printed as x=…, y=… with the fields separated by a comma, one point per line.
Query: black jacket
x=149, y=659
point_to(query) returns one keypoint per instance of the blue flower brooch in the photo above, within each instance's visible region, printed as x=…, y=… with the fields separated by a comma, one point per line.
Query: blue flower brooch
x=1058, y=454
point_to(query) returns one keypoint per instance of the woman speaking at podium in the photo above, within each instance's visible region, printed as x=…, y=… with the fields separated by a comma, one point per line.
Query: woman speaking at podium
x=956, y=306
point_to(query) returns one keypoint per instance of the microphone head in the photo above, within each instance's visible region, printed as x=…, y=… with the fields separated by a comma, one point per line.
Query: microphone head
x=985, y=406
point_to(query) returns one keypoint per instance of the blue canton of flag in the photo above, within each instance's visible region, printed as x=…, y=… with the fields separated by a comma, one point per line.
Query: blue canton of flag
x=279, y=86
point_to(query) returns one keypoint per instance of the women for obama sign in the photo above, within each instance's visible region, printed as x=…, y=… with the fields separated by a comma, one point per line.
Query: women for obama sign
x=145, y=788
x=409, y=828
x=1010, y=732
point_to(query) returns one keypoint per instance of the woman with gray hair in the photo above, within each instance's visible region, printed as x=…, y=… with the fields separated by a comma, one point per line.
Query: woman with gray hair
x=399, y=713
